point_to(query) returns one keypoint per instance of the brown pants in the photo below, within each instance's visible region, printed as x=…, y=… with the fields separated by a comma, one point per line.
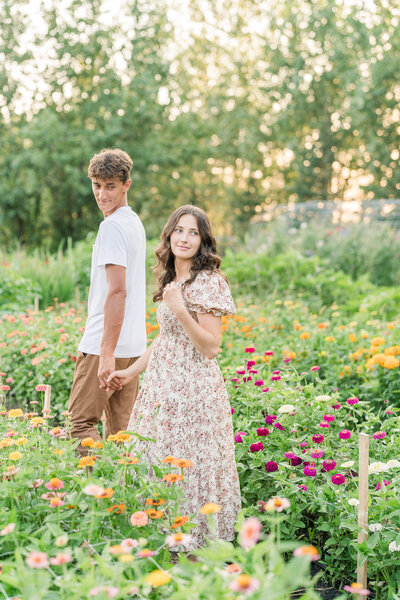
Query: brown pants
x=87, y=401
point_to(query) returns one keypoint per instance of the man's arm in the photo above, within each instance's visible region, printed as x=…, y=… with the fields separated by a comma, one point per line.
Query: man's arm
x=114, y=310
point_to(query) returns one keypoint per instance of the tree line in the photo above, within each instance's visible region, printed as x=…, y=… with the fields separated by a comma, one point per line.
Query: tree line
x=232, y=105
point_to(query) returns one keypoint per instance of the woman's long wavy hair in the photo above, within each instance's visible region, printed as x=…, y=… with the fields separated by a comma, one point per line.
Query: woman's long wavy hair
x=206, y=258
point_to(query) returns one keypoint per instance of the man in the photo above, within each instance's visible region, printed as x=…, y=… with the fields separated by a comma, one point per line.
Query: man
x=115, y=331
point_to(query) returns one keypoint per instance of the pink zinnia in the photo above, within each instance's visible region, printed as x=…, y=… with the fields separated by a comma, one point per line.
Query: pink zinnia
x=329, y=465
x=139, y=519
x=356, y=588
x=303, y=487
x=259, y=382
x=336, y=406
x=317, y=453
x=238, y=437
x=316, y=368
x=328, y=418
x=256, y=447
x=324, y=424
x=54, y=484
x=277, y=425
x=344, y=434
x=250, y=533
x=268, y=353
x=310, y=471
x=276, y=377
x=61, y=559
x=379, y=435
x=269, y=419
x=41, y=387
x=271, y=466
x=37, y=560
x=303, y=445
x=250, y=349
x=352, y=401
x=318, y=438
x=287, y=359
x=338, y=479
x=385, y=483
x=262, y=431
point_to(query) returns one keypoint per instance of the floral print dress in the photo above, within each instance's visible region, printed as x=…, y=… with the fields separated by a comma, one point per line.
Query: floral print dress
x=183, y=404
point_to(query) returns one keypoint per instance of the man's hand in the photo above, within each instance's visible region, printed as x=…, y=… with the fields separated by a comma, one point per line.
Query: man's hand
x=106, y=367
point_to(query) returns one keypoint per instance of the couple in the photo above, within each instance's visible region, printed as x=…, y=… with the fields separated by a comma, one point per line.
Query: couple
x=183, y=403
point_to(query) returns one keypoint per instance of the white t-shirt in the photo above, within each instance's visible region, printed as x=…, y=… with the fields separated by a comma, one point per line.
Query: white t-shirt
x=121, y=241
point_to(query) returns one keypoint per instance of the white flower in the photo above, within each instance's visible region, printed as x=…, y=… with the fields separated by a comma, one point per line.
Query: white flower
x=353, y=501
x=377, y=467
x=286, y=408
x=374, y=527
x=8, y=529
x=348, y=464
x=392, y=463
x=93, y=490
x=393, y=547
x=322, y=398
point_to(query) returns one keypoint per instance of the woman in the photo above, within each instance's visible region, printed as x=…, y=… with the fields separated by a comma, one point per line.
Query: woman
x=183, y=402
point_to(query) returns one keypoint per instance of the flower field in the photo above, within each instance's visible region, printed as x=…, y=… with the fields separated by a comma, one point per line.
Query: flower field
x=302, y=386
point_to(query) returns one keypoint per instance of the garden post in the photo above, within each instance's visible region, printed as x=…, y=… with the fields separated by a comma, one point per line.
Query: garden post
x=36, y=304
x=47, y=396
x=77, y=295
x=363, y=463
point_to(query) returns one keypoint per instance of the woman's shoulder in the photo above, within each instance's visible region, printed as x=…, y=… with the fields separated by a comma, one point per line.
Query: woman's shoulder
x=210, y=292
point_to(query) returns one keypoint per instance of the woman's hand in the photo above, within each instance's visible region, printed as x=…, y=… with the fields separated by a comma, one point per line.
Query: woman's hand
x=117, y=379
x=173, y=298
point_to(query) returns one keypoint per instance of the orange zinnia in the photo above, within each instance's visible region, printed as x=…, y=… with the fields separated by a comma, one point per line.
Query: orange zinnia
x=172, y=477
x=154, y=514
x=182, y=463
x=117, y=508
x=106, y=493
x=179, y=521
x=168, y=460
x=155, y=502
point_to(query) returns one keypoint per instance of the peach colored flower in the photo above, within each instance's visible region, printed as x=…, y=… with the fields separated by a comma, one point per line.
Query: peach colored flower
x=61, y=558
x=37, y=560
x=310, y=551
x=8, y=529
x=233, y=568
x=54, y=484
x=278, y=504
x=93, y=490
x=178, y=539
x=139, y=519
x=245, y=584
x=210, y=508
x=250, y=533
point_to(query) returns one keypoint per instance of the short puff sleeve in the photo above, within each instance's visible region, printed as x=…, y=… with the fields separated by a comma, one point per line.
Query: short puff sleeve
x=209, y=292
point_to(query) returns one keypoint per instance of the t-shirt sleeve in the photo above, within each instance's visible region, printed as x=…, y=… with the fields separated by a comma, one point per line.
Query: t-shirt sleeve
x=113, y=249
x=210, y=293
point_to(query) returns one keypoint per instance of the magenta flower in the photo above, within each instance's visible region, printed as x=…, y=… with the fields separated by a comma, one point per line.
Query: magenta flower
x=385, y=483
x=316, y=368
x=336, y=406
x=238, y=437
x=277, y=425
x=250, y=349
x=317, y=453
x=352, y=401
x=303, y=445
x=269, y=419
x=328, y=418
x=287, y=359
x=241, y=371
x=248, y=378
x=329, y=465
x=262, y=431
x=303, y=487
x=310, y=470
x=259, y=382
x=324, y=425
x=338, y=479
x=268, y=353
x=295, y=461
x=235, y=379
x=277, y=372
x=265, y=389
x=250, y=363
x=271, y=466
x=318, y=438
x=232, y=411
x=344, y=434
x=276, y=377
x=389, y=412
x=256, y=447
x=379, y=435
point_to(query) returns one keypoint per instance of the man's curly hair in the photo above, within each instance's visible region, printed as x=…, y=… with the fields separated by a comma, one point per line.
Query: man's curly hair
x=110, y=163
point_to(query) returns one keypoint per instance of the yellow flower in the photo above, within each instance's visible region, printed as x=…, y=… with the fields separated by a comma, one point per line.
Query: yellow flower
x=330, y=338
x=99, y=445
x=37, y=420
x=352, y=337
x=88, y=442
x=15, y=412
x=123, y=436
x=390, y=362
x=157, y=578
x=6, y=442
x=58, y=451
x=210, y=508
x=378, y=341
x=15, y=455
x=86, y=461
x=304, y=335
x=21, y=441
x=125, y=558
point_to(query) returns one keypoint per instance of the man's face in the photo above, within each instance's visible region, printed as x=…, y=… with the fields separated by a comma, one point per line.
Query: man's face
x=110, y=194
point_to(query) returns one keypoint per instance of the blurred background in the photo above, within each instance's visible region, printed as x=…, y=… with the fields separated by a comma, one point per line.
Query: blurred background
x=275, y=116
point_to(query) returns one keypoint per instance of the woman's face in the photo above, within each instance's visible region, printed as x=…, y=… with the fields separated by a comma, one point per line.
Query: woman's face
x=185, y=239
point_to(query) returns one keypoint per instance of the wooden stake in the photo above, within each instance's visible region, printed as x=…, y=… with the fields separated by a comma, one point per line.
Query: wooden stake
x=36, y=304
x=77, y=295
x=363, y=463
x=47, y=397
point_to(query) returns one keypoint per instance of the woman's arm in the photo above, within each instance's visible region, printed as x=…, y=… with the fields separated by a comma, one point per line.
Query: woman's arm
x=205, y=334
x=118, y=379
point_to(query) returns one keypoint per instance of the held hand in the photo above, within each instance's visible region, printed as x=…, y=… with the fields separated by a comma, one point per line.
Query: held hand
x=106, y=366
x=117, y=379
x=173, y=298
